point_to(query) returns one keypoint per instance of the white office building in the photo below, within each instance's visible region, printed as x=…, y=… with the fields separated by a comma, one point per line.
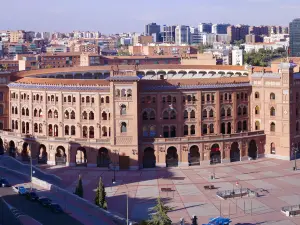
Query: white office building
x=182, y=35
x=237, y=57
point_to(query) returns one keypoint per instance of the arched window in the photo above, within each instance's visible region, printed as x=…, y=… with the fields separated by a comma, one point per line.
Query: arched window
x=123, y=127
x=204, y=113
x=211, y=113
x=67, y=130
x=69, y=99
x=228, y=128
x=245, y=109
x=65, y=99
x=186, y=130
x=273, y=149
x=87, y=99
x=91, y=115
x=183, y=99
x=272, y=111
x=225, y=96
x=27, y=112
x=55, y=130
x=73, y=130
x=12, y=124
x=257, y=110
x=40, y=128
x=204, y=129
x=174, y=99
x=35, y=128
x=193, y=130
x=173, y=115
x=169, y=98
x=55, y=114
x=50, y=129
x=104, y=131
x=257, y=125
x=222, y=112
x=272, y=96
x=189, y=98
x=123, y=110
x=152, y=115
x=166, y=115
x=40, y=113
x=104, y=115
x=107, y=99
x=123, y=93
x=230, y=97
x=91, y=132
x=239, y=111
x=153, y=100
x=129, y=93
x=192, y=114
x=23, y=112
x=145, y=131
x=74, y=99
x=16, y=110
x=242, y=95
x=145, y=115
x=152, y=131
x=173, y=131
x=102, y=100
x=73, y=115
x=49, y=113
x=166, y=131
x=239, y=126
x=35, y=113
x=272, y=127
x=245, y=127
x=67, y=115
x=208, y=97
x=84, y=115
x=256, y=95
x=185, y=114
x=211, y=128
x=229, y=112
x=16, y=125
x=82, y=99
x=84, y=132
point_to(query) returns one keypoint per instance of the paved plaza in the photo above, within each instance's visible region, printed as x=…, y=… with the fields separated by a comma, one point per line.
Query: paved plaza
x=274, y=180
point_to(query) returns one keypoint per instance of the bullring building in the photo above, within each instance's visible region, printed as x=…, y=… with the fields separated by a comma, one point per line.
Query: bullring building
x=151, y=116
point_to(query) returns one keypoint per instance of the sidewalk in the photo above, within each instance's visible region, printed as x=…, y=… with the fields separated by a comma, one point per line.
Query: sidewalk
x=72, y=207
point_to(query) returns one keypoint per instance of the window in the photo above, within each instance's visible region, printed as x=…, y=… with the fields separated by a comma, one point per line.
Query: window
x=69, y=99
x=192, y=114
x=27, y=112
x=272, y=96
x=272, y=127
x=152, y=115
x=193, y=131
x=1, y=96
x=145, y=131
x=273, y=150
x=55, y=114
x=87, y=99
x=91, y=116
x=272, y=111
x=73, y=115
x=257, y=125
x=49, y=113
x=239, y=111
x=223, y=131
x=153, y=100
x=91, y=132
x=84, y=115
x=67, y=115
x=211, y=113
x=123, y=110
x=222, y=112
x=104, y=116
x=211, y=128
x=118, y=93
x=73, y=130
x=186, y=130
x=239, y=126
x=245, y=125
x=208, y=98
x=104, y=131
x=145, y=115
x=123, y=127
x=66, y=130
x=173, y=115
x=257, y=110
x=245, y=110
x=256, y=95
x=152, y=131
x=185, y=115
x=74, y=99
x=204, y=129
x=204, y=113
x=229, y=112
x=107, y=99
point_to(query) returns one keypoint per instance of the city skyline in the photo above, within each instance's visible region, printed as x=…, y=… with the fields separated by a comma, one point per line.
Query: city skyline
x=132, y=17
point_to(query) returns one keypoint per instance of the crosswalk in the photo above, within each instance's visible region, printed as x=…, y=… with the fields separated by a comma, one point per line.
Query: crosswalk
x=17, y=213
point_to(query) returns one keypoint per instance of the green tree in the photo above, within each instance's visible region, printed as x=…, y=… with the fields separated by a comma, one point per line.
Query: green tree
x=160, y=216
x=79, y=188
x=5, y=66
x=48, y=66
x=101, y=195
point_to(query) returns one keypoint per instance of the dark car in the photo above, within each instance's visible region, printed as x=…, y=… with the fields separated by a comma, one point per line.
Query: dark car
x=44, y=201
x=56, y=208
x=4, y=183
x=32, y=196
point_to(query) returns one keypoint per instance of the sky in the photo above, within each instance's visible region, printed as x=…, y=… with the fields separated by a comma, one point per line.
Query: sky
x=116, y=16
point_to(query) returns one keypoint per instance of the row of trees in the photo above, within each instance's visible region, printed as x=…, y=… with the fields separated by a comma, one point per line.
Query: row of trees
x=100, y=193
x=159, y=216
x=263, y=57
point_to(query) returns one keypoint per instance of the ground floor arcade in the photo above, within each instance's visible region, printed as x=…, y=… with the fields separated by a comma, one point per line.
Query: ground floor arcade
x=147, y=156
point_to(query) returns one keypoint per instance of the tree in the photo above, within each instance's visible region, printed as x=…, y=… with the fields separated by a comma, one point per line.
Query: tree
x=5, y=67
x=100, y=195
x=160, y=216
x=79, y=188
x=48, y=66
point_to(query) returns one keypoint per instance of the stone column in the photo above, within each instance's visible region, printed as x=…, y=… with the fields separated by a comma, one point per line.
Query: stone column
x=161, y=156
x=217, y=120
x=199, y=118
x=184, y=151
x=91, y=157
x=234, y=112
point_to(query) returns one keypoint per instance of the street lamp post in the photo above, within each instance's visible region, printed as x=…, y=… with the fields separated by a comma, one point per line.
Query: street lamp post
x=114, y=165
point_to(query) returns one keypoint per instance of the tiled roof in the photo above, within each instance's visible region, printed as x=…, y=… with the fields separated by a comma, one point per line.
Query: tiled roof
x=123, y=78
x=269, y=75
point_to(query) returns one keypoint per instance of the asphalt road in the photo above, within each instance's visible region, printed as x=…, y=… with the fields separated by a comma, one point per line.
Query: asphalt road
x=33, y=209
x=6, y=216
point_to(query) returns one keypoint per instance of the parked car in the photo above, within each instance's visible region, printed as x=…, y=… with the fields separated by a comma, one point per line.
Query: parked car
x=56, y=208
x=44, y=201
x=21, y=190
x=4, y=183
x=32, y=196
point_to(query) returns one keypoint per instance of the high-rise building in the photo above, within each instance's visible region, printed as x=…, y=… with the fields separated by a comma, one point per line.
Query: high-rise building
x=205, y=27
x=220, y=28
x=195, y=36
x=182, y=35
x=295, y=38
x=168, y=34
x=238, y=32
x=237, y=57
x=152, y=28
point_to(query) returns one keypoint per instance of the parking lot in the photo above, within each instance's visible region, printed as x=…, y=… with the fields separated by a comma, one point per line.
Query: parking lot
x=278, y=186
